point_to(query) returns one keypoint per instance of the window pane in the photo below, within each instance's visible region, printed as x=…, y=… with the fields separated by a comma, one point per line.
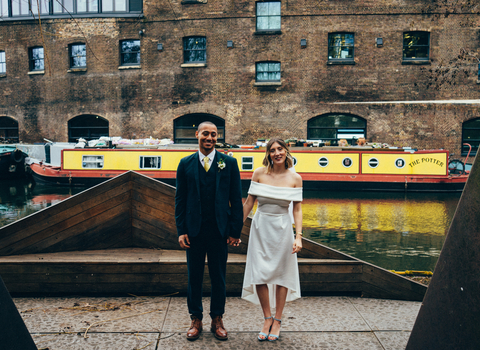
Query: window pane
x=274, y=23
x=322, y=134
x=107, y=5
x=37, y=53
x=120, y=5
x=68, y=4
x=93, y=6
x=262, y=22
x=262, y=8
x=81, y=5
x=472, y=124
x=2, y=62
x=274, y=8
x=4, y=8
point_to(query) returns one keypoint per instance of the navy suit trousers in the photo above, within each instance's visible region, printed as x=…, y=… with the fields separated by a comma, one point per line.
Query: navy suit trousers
x=214, y=246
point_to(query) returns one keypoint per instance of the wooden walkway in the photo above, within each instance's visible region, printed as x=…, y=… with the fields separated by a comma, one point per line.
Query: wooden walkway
x=120, y=237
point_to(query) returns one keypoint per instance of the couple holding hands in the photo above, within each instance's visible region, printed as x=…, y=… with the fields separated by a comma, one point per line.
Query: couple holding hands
x=209, y=216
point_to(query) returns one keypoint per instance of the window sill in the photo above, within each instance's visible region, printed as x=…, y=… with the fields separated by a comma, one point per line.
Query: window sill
x=193, y=2
x=129, y=67
x=75, y=70
x=268, y=83
x=416, y=62
x=340, y=62
x=193, y=65
x=3, y=75
x=36, y=72
x=267, y=32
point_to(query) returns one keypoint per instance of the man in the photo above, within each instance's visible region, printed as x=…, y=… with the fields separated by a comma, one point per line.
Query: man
x=209, y=216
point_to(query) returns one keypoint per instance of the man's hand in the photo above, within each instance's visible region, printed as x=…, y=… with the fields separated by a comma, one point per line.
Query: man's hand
x=235, y=242
x=184, y=241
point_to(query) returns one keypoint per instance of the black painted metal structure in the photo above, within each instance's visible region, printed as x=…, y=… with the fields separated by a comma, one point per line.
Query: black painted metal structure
x=450, y=314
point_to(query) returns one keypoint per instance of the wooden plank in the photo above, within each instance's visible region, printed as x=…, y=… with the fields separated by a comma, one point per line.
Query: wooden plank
x=83, y=199
x=153, y=216
x=381, y=283
x=150, y=203
x=74, y=226
x=141, y=238
x=58, y=221
x=140, y=180
x=157, y=196
x=155, y=230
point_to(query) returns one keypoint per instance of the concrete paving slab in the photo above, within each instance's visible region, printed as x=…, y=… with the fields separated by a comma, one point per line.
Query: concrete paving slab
x=97, y=341
x=288, y=340
x=76, y=314
x=383, y=314
x=341, y=323
x=392, y=340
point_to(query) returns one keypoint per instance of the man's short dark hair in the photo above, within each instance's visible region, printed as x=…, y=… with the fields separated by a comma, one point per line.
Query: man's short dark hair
x=205, y=123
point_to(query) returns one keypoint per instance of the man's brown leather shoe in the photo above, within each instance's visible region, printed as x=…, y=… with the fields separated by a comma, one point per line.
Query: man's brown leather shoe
x=195, y=329
x=217, y=328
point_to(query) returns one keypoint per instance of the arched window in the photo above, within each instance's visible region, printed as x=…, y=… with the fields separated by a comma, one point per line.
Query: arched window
x=88, y=127
x=184, y=127
x=333, y=127
x=8, y=129
x=471, y=135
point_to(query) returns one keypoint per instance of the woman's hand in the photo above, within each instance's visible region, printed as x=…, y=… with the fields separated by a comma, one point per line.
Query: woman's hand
x=297, y=245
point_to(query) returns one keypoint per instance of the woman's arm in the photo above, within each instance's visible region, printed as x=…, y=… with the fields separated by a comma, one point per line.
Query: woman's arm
x=248, y=206
x=297, y=218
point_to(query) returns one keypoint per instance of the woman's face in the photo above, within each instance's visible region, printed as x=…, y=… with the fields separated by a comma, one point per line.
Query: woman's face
x=278, y=154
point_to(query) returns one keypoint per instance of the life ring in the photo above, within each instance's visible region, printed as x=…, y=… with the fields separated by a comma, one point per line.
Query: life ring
x=17, y=156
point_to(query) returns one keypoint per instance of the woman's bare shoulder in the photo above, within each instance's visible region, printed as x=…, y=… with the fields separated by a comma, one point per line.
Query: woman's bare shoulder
x=297, y=179
x=258, y=173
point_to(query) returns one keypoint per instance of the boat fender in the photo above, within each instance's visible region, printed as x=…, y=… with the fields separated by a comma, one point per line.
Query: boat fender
x=17, y=156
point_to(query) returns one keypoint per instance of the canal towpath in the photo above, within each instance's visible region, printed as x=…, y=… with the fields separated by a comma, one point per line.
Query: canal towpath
x=161, y=322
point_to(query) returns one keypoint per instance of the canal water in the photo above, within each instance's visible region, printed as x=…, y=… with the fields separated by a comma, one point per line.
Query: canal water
x=396, y=231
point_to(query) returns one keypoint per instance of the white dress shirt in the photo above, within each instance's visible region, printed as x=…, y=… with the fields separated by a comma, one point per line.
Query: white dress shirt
x=211, y=157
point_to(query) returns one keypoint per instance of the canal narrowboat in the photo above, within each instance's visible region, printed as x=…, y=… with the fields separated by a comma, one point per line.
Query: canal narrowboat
x=12, y=162
x=322, y=168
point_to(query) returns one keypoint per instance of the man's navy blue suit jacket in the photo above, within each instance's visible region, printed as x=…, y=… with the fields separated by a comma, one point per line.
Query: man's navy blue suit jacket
x=228, y=197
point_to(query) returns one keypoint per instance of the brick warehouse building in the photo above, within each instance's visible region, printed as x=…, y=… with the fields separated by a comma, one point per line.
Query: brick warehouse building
x=400, y=72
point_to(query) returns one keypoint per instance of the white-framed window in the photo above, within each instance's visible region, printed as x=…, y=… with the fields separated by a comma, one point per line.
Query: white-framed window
x=323, y=162
x=37, y=60
x=247, y=163
x=149, y=162
x=129, y=52
x=268, y=15
x=92, y=162
x=3, y=65
x=78, y=55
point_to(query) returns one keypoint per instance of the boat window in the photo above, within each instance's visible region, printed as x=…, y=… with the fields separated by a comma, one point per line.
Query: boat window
x=247, y=163
x=150, y=162
x=323, y=162
x=400, y=163
x=347, y=162
x=294, y=160
x=330, y=128
x=373, y=162
x=92, y=162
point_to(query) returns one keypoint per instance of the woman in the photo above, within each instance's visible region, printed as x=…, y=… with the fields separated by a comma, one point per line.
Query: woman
x=271, y=271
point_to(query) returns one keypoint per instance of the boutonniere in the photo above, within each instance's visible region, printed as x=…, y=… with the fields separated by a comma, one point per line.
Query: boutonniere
x=221, y=164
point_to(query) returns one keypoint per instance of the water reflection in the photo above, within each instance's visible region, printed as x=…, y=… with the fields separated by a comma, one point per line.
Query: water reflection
x=391, y=230
x=395, y=231
x=20, y=198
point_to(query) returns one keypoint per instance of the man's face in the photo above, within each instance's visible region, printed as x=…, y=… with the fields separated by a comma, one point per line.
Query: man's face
x=207, y=138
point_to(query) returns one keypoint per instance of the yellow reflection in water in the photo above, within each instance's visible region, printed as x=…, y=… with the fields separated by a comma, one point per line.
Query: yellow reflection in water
x=428, y=217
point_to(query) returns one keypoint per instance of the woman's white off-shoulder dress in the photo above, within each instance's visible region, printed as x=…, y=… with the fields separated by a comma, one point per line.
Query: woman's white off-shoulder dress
x=269, y=256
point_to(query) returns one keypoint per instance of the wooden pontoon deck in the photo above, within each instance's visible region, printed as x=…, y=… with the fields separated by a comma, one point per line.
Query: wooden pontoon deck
x=120, y=237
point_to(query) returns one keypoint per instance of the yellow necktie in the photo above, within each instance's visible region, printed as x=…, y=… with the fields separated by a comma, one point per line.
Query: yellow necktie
x=206, y=165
